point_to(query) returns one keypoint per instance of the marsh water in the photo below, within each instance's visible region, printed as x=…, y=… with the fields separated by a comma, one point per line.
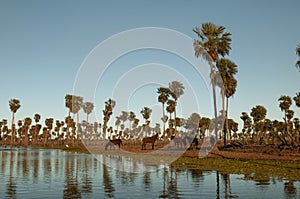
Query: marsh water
x=48, y=173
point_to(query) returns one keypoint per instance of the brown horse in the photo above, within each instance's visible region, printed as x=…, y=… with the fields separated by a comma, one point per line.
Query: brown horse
x=151, y=140
x=179, y=142
x=111, y=143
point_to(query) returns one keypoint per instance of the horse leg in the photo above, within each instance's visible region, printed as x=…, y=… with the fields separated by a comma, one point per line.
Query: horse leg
x=106, y=145
x=153, y=146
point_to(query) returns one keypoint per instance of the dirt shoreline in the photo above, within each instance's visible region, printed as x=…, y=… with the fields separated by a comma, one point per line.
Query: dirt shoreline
x=251, y=153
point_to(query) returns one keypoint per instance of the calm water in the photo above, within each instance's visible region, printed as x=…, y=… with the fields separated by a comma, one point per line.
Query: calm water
x=36, y=173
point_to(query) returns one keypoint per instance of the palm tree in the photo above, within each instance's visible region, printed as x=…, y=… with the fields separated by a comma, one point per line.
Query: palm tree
x=118, y=122
x=146, y=112
x=27, y=123
x=285, y=103
x=37, y=118
x=123, y=118
x=258, y=113
x=88, y=108
x=131, y=118
x=163, y=98
x=227, y=69
x=170, y=108
x=14, y=105
x=49, y=124
x=68, y=102
x=213, y=43
x=107, y=112
x=203, y=125
x=77, y=103
x=297, y=99
x=193, y=122
x=177, y=89
x=298, y=53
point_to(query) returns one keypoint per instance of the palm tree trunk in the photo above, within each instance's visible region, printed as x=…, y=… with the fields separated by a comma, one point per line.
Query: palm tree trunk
x=163, y=111
x=12, y=130
x=226, y=112
x=175, y=117
x=224, y=115
x=214, y=98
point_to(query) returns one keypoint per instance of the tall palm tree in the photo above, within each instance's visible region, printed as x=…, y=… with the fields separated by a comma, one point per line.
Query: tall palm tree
x=177, y=89
x=227, y=69
x=163, y=98
x=214, y=42
x=14, y=105
x=88, y=108
x=146, y=112
x=298, y=53
x=107, y=112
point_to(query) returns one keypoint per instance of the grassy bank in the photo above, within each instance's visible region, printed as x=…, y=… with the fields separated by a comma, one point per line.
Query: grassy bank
x=252, y=169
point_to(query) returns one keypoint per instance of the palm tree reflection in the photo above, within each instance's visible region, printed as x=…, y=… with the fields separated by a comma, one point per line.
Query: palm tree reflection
x=107, y=181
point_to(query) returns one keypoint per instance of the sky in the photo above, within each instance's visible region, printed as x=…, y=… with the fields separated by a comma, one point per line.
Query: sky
x=45, y=45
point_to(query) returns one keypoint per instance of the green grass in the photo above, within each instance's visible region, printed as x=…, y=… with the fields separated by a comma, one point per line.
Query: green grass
x=257, y=169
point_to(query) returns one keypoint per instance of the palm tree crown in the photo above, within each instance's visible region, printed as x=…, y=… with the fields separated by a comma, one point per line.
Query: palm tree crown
x=298, y=53
x=213, y=40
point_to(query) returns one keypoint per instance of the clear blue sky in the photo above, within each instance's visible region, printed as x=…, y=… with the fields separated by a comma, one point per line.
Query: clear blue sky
x=43, y=44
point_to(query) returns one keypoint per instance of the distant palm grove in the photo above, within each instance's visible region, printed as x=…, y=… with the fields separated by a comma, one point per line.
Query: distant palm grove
x=212, y=45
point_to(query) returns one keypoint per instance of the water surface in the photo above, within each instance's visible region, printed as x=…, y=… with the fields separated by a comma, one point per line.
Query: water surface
x=47, y=173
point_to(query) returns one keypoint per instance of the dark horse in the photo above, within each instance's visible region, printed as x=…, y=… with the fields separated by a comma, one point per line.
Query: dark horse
x=179, y=142
x=151, y=139
x=111, y=143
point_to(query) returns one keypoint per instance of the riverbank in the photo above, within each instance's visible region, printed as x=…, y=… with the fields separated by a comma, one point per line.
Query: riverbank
x=245, y=153
x=254, y=163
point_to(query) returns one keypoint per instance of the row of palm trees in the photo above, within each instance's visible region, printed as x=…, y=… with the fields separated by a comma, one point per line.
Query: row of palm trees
x=257, y=129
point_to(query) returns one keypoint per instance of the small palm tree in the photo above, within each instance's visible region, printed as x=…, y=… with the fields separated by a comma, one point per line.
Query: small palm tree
x=88, y=108
x=131, y=118
x=285, y=104
x=146, y=112
x=68, y=102
x=258, y=113
x=47, y=131
x=14, y=105
x=27, y=123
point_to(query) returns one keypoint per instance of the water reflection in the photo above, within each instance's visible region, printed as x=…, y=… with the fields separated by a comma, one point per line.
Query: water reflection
x=36, y=173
